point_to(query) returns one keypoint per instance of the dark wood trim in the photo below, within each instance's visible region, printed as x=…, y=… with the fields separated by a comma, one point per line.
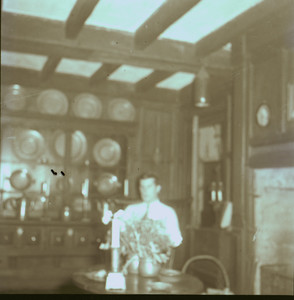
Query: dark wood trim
x=49, y=67
x=275, y=159
x=78, y=15
x=239, y=183
x=161, y=19
x=152, y=80
x=103, y=72
x=28, y=34
x=228, y=32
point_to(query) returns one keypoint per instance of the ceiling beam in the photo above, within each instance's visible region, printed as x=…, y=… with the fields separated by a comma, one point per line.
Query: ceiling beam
x=160, y=20
x=49, y=67
x=78, y=15
x=238, y=26
x=79, y=84
x=152, y=80
x=103, y=72
x=42, y=36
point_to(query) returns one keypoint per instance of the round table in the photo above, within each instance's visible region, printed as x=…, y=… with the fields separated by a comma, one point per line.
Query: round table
x=135, y=284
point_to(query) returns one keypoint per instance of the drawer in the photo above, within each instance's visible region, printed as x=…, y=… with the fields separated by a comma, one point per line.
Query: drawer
x=7, y=237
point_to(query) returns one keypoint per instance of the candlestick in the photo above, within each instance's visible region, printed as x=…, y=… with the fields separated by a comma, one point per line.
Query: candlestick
x=115, y=243
x=126, y=188
x=85, y=188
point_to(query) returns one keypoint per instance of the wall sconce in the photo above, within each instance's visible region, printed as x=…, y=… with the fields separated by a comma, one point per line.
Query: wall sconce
x=200, y=88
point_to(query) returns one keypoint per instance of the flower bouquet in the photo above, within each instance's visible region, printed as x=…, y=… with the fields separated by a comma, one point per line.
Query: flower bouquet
x=145, y=239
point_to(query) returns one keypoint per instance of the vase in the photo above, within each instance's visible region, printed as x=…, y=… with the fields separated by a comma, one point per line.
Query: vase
x=133, y=267
x=148, y=267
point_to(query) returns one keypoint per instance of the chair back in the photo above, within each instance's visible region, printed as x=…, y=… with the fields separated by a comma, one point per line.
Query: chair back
x=210, y=258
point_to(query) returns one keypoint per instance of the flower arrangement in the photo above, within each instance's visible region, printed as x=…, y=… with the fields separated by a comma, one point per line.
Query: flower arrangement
x=146, y=239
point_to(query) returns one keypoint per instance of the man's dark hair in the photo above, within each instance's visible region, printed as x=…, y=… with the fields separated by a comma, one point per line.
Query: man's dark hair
x=147, y=175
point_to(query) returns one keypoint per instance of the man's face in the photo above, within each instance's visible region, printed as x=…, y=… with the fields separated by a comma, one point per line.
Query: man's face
x=149, y=190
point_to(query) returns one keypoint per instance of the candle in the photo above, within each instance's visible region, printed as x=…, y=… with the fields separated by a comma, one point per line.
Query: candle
x=126, y=188
x=105, y=208
x=115, y=234
x=85, y=188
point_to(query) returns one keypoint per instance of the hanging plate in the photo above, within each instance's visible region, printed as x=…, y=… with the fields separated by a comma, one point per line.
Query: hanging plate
x=120, y=109
x=52, y=102
x=78, y=145
x=87, y=106
x=14, y=98
x=107, y=152
x=28, y=144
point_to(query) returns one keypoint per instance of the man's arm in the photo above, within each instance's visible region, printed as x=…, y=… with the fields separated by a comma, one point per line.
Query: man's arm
x=173, y=228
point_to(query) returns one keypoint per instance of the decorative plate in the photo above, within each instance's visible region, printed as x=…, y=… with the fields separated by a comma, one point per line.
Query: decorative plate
x=87, y=106
x=14, y=98
x=78, y=145
x=52, y=102
x=160, y=286
x=28, y=144
x=107, y=184
x=107, y=152
x=170, y=275
x=99, y=275
x=263, y=115
x=20, y=179
x=120, y=109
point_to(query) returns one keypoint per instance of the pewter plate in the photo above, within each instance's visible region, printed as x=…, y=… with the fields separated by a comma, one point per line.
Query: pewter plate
x=52, y=102
x=120, y=109
x=78, y=145
x=28, y=144
x=107, y=152
x=87, y=106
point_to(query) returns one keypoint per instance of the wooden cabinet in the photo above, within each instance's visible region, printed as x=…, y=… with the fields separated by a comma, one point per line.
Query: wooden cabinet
x=38, y=255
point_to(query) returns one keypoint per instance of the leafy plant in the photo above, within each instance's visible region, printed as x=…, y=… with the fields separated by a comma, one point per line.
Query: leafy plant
x=147, y=239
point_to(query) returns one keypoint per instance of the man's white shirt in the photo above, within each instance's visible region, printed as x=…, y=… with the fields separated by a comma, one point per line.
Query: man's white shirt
x=157, y=211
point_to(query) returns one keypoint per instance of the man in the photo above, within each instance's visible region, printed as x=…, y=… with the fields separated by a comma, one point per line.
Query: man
x=152, y=208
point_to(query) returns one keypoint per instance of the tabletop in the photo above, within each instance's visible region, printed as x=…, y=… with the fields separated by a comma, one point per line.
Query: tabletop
x=135, y=284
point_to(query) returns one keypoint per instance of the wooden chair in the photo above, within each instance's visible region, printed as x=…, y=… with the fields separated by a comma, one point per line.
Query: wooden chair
x=216, y=262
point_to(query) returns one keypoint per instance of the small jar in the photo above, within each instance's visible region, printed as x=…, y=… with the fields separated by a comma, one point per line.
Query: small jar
x=66, y=213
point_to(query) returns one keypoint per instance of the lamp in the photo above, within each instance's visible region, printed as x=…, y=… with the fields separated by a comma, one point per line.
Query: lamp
x=200, y=88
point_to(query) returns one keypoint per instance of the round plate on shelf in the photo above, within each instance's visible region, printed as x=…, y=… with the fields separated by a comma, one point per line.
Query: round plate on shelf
x=52, y=102
x=107, y=152
x=120, y=109
x=28, y=144
x=87, y=106
x=78, y=145
x=14, y=98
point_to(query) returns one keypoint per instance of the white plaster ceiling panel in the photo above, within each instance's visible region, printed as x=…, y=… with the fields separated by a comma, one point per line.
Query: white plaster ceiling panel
x=23, y=60
x=176, y=81
x=48, y=9
x=130, y=74
x=124, y=15
x=78, y=67
x=206, y=17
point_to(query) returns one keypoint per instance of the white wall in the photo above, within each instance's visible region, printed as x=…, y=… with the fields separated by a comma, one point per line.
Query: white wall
x=274, y=218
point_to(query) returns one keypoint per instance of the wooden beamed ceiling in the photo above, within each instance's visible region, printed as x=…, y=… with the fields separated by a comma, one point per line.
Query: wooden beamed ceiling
x=75, y=40
x=78, y=15
x=166, y=15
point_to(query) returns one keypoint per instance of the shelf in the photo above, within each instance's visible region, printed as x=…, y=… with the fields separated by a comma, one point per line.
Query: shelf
x=68, y=123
